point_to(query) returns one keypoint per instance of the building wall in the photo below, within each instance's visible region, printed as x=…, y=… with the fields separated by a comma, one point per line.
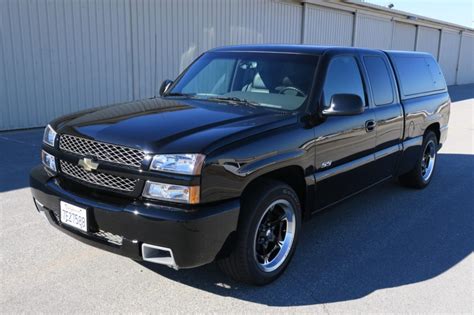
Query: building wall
x=325, y=26
x=404, y=36
x=448, y=55
x=428, y=40
x=466, y=60
x=373, y=32
x=61, y=56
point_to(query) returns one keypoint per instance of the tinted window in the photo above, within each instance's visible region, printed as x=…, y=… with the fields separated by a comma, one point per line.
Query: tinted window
x=419, y=74
x=343, y=77
x=380, y=81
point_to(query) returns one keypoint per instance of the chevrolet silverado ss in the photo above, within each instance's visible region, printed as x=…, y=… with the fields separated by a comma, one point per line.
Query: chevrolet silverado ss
x=238, y=150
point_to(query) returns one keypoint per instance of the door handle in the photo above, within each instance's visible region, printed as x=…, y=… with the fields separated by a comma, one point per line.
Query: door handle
x=370, y=125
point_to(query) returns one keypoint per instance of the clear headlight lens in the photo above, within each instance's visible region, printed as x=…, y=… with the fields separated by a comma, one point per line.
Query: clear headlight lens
x=49, y=136
x=169, y=192
x=187, y=164
x=48, y=160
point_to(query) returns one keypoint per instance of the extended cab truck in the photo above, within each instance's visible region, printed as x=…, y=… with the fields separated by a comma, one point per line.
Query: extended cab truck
x=237, y=150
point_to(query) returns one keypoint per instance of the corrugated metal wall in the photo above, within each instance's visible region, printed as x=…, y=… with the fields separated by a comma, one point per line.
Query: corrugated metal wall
x=428, y=40
x=466, y=60
x=61, y=56
x=404, y=36
x=168, y=35
x=373, y=32
x=325, y=26
x=448, y=55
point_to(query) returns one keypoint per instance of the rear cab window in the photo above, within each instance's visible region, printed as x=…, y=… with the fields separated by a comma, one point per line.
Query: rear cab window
x=380, y=80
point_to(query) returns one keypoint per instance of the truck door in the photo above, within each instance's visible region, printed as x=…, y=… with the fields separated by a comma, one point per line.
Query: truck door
x=344, y=144
x=388, y=113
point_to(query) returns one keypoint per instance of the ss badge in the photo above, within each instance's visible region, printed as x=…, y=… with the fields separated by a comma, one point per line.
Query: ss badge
x=326, y=164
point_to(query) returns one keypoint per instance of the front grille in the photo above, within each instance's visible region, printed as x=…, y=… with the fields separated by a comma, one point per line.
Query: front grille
x=102, y=151
x=109, y=237
x=97, y=178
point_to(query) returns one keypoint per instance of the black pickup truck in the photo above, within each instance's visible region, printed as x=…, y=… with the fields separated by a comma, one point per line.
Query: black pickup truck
x=238, y=150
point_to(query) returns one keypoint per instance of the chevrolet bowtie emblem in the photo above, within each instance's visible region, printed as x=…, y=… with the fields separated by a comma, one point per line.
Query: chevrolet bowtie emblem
x=87, y=164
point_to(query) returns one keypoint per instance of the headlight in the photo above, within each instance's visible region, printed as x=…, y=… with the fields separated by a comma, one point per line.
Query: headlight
x=48, y=160
x=174, y=193
x=187, y=164
x=49, y=136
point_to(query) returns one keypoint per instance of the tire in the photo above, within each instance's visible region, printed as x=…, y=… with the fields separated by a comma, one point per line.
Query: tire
x=420, y=176
x=256, y=258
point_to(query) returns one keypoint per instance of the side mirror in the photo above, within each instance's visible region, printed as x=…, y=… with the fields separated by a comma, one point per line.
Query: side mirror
x=344, y=105
x=165, y=86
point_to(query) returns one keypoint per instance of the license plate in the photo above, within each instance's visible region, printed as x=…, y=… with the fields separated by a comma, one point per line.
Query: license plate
x=74, y=216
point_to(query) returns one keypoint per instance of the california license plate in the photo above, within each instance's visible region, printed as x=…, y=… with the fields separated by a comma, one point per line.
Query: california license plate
x=74, y=216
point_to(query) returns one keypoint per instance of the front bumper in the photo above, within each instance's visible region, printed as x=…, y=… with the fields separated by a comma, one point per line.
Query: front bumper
x=195, y=237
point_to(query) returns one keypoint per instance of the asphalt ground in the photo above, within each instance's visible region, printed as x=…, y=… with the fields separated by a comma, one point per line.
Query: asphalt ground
x=390, y=249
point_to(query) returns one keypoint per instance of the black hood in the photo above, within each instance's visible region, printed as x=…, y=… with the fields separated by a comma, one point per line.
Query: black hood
x=170, y=125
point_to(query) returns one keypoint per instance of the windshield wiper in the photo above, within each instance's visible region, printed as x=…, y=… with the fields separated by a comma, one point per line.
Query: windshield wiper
x=180, y=94
x=232, y=99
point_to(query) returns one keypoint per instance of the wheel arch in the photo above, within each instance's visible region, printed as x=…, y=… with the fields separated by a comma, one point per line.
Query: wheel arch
x=436, y=128
x=293, y=176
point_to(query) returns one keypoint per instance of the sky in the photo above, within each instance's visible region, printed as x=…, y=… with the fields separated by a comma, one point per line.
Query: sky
x=454, y=11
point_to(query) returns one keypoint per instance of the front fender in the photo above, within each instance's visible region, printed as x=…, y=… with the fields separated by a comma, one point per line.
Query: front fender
x=228, y=172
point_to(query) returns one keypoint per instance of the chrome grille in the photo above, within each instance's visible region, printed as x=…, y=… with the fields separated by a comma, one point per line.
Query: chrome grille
x=109, y=237
x=97, y=178
x=102, y=151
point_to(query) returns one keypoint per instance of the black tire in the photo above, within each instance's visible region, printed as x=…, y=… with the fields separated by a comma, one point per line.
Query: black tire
x=242, y=264
x=417, y=177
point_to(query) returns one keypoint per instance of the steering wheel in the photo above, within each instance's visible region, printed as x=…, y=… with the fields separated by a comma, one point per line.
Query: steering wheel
x=292, y=88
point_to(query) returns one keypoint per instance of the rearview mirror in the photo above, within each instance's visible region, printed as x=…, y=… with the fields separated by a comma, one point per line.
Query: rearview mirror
x=344, y=105
x=165, y=86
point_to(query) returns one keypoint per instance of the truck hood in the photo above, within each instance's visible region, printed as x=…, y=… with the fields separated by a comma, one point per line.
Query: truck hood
x=170, y=125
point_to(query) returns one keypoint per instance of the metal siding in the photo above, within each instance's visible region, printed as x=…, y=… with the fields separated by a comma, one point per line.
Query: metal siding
x=448, y=55
x=374, y=32
x=169, y=35
x=428, y=40
x=327, y=26
x=403, y=36
x=60, y=56
x=466, y=60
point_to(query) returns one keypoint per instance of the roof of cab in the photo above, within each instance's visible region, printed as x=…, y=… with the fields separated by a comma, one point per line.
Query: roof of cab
x=307, y=49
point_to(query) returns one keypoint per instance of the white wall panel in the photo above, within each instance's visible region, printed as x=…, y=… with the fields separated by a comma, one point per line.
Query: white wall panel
x=428, y=40
x=374, y=32
x=61, y=56
x=403, y=36
x=168, y=35
x=466, y=60
x=327, y=26
x=58, y=56
x=448, y=55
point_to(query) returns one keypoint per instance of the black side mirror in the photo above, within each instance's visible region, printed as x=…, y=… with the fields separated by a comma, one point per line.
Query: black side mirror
x=344, y=105
x=165, y=86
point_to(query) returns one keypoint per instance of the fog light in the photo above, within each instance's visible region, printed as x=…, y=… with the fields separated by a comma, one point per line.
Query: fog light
x=48, y=161
x=169, y=192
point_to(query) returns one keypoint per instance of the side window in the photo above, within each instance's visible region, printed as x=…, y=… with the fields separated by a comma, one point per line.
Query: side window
x=343, y=77
x=380, y=80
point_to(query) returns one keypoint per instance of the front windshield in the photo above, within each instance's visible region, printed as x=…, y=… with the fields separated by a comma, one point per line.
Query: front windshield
x=275, y=80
